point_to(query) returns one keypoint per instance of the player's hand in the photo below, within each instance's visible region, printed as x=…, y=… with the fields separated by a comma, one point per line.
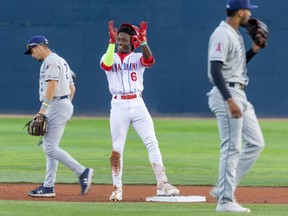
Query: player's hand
x=255, y=47
x=234, y=108
x=112, y=32
x=142, y=34
x=41, y=112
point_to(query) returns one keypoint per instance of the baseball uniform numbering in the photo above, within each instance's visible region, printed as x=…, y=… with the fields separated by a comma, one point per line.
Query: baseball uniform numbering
x=125, y=80
x=55, y=68
x=125, y=70
x=59, y=113
x=126, y=77
x=56, y=91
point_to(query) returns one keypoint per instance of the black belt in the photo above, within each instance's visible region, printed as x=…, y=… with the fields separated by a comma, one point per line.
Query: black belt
x=61, y=97
x=236, y=85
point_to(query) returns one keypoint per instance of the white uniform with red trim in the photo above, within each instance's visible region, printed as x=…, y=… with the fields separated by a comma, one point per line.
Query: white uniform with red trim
x=125, y=80
x=126, y=77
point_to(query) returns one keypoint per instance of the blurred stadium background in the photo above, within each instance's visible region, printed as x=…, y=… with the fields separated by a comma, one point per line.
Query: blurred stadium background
x=178, y=34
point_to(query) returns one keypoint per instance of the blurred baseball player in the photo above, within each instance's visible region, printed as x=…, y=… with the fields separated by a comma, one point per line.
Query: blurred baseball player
x=56, y=90
x=236, y=117
x=124, y=70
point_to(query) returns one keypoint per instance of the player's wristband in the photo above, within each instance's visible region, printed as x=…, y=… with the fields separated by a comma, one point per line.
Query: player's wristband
x=45, y=104
x=144, y=43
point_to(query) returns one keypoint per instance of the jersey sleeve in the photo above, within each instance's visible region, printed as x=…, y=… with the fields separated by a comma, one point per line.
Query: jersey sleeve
x=147, y=62
x=52, y=69
x=219, y=47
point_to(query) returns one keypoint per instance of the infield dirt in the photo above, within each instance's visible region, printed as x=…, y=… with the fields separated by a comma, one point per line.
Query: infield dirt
x=138, y=193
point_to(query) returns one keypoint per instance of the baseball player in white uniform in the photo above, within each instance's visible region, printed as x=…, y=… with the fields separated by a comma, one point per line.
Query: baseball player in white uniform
x=56, y=91
x=236, y=117
x=125, y=70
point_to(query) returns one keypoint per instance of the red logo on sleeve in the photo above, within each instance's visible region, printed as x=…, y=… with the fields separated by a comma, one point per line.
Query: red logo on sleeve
x=218, y=49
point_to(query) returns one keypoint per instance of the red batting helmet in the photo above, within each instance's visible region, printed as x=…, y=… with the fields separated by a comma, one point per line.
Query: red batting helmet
x=133, y=31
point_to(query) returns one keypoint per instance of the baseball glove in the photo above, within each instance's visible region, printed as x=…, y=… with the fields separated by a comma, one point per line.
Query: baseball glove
x=37, y=126
x=258, y=31
x=73, y=74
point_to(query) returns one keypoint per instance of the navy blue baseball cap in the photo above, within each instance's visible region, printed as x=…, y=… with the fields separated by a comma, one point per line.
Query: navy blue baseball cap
x=239, y=4
x=34, y=41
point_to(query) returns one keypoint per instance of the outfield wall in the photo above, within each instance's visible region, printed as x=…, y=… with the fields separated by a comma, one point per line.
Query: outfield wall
x=178, y=36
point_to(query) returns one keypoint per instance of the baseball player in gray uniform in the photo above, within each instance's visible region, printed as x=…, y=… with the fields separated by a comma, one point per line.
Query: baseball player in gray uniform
x=235, y=115
x=125, y=70
x=56, y=91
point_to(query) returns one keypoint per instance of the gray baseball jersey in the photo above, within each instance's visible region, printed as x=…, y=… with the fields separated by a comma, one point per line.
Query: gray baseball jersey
x=227, y=45
x=55, y=68
x=58, y=113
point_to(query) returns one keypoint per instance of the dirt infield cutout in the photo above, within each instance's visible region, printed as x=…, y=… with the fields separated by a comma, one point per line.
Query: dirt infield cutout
x=138, y=193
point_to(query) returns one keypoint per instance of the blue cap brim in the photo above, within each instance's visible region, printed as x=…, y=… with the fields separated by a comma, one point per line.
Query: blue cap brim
x=28, y=52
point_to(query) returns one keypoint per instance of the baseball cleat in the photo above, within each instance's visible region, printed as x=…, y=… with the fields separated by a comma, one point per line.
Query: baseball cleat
x=85, y=180
x=231, y=207
x=166, y=189
x=43, y=192
x=116, y=195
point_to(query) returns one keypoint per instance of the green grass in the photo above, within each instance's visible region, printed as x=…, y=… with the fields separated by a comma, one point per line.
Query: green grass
x=78, y=209
x=190, y=150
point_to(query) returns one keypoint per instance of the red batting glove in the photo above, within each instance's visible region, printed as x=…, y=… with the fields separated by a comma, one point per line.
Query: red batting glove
x=112, y=32
x=142, y=34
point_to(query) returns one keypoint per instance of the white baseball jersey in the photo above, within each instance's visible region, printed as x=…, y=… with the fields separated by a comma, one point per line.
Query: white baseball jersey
x=55, y=68
x=227, y=45
x=126, y=77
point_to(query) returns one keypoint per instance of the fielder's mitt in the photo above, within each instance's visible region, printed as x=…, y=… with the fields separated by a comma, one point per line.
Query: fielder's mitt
x=37, y=126
x=258, y=31
x=73, y=74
